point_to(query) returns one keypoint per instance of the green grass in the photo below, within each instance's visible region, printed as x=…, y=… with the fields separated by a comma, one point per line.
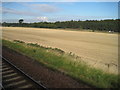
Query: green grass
x=57, y=59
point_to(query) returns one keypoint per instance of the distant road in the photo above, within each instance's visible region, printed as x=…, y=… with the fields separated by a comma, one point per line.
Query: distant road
x=92, y=47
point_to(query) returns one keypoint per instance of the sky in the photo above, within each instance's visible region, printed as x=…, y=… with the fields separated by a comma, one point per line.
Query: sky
x=58, y=11
x=60, y=0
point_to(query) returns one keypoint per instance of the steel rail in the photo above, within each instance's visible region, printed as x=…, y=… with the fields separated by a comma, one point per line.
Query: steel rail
x=27, y=76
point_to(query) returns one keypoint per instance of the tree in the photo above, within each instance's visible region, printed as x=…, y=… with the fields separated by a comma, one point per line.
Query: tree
x=101, y=25
x=21, y=21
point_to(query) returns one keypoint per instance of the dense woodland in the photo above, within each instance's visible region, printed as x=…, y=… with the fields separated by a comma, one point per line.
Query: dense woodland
x=94, y=25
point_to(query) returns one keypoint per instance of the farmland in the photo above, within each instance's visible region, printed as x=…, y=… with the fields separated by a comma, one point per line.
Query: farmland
x=56, y=60
x=97, y=49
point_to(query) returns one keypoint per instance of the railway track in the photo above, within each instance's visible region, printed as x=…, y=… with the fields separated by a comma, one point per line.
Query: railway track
x=14, y=78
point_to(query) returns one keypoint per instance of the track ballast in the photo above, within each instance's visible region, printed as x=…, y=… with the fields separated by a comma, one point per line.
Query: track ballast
x=14, y=78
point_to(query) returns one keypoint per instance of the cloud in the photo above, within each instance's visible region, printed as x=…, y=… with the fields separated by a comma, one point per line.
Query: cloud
x=75, y=17
x=37, y=9
x=17, y=12
x=42, y=18
x=45, y=8
x=58, y=18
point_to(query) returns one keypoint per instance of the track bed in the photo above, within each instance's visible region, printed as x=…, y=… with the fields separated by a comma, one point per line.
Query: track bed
x=39, y=72
x=14, y=78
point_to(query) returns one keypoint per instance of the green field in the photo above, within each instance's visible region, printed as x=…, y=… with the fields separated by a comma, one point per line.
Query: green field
x=57, y=59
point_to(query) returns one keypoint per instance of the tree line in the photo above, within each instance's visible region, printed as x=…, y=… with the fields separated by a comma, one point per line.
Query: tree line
x=99, y=25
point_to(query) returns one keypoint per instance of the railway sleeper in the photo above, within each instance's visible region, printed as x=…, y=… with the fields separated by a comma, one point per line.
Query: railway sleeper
x=10, y=80
x=15, y=84
x=11, y=75
x=13, y=78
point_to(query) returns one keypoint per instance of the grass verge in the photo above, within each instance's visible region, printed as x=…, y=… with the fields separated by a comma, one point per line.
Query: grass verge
x=57, y=59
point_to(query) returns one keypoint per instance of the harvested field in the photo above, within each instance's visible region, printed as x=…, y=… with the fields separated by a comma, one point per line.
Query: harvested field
x=97, y=49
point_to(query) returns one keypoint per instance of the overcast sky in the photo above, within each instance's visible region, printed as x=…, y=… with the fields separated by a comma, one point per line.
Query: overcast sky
x=58, y=11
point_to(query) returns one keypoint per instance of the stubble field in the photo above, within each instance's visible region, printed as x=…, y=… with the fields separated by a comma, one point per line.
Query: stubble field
x=97, y=49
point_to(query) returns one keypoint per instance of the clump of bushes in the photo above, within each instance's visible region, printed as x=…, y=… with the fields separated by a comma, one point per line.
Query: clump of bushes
x=32, y=44
x=59, y=50
x=18, y=41
x=48, y=48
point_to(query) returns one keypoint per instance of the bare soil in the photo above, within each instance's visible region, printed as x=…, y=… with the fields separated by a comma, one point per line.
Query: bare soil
x=46, y=76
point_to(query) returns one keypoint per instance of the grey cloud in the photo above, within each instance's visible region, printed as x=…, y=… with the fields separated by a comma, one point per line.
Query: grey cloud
x=13, y=11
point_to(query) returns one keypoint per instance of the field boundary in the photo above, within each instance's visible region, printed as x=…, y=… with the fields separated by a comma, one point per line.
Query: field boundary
x=62, y=63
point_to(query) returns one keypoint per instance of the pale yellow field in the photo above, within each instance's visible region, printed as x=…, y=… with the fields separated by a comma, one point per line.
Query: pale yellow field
x=97, y=49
